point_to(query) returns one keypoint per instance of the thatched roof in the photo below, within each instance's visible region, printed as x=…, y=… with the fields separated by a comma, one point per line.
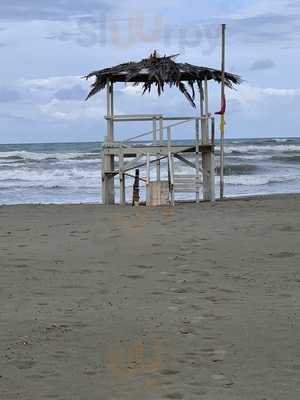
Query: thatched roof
x=160, y=71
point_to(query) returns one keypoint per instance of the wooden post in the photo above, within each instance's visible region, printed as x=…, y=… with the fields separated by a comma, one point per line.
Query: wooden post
x=161, y=138
x=108, y=163
x=222, y=127
x=155, y=143
x=169, y=138
x=206, y=95
x=205, y=140
x=148, y=179
x=197, y=161
x=122, y=178
x=136, y=189
x=213, y=132
x=212, y=163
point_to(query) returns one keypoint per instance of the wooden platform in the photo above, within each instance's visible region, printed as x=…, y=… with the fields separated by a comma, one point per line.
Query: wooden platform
x=135, y=150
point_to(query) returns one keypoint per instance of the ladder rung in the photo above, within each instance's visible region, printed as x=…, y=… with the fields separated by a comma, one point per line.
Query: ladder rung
x=186, y=186
x=189, y=181
x=186, y=190
x=184, y=176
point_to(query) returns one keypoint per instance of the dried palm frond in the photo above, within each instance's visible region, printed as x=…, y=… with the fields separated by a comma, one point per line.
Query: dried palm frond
x=159, y=71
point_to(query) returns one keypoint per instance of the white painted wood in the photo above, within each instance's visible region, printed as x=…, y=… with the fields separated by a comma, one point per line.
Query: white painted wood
x=197, y=160
x=158, y=193
x=108, y=189
x=169, y=138
x=122, y=178
x=222, y=144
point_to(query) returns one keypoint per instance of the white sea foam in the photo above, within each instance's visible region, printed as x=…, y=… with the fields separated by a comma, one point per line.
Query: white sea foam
x=260, y=148
x=35, y=156
x=258, y=180
x=71, y=173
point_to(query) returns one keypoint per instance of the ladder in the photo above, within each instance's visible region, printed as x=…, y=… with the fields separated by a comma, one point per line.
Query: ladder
x=183, y=183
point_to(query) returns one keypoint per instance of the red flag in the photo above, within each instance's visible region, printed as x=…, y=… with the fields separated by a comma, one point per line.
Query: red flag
x=223, y=106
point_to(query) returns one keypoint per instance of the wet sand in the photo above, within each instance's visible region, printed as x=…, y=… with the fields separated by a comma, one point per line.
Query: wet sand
x=199, y=301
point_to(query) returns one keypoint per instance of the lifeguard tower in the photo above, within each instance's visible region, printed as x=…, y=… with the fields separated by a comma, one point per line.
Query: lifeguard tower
x=156, y=150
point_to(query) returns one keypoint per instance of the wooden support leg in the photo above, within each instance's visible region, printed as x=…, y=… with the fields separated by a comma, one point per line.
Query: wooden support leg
x=206, y=176
x=122, y=179
x=122, y=189
x=108, y=187
x=212, y=194
x=208, y=166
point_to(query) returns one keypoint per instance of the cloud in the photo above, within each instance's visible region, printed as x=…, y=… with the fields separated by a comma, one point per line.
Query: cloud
x=20, y=10
x=72, y=111
x=76, y=92
x=266, y=28
x=54, y=99
x=54, y=83
x=262, y=64
x=250, y=94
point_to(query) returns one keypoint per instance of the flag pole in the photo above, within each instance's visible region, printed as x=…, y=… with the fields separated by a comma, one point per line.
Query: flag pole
x=222, y=124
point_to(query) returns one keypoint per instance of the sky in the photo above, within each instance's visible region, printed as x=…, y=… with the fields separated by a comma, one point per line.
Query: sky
x=47, y=46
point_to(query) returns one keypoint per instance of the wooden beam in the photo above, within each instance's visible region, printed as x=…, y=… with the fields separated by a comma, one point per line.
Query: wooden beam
x=133, y=176
x=122, y=179
x=154, y=150
x=222, y=99
x=108, y=189
x=184, y=160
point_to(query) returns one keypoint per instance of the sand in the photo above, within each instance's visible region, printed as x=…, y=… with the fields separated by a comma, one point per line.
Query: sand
x=192, y=302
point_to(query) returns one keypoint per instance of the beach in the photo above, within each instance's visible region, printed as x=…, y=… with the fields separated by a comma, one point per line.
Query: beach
x=191, y=302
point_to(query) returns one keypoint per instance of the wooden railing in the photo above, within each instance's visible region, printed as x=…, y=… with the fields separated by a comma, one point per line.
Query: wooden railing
x=157, y=132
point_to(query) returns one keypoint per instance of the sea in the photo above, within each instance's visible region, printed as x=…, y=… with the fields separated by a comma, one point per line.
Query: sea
x=64, y=173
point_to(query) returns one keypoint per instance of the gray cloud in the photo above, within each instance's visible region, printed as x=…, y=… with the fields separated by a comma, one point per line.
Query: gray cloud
x=104, y=28
x=266, y=28
x=74, y=93
x=262, y=64
x=16, y=10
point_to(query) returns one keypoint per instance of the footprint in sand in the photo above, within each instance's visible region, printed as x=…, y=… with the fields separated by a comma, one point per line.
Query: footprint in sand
x=288, y=228
x=169, y=372
x=200, y=392
x=175, y=396
x=61, y=355
x=90, y=372
x=85, y=271
x=144, y=266
x=25, y=364
x=22, y=266
x=180, y=290
x=133, y=276
x=283, y=254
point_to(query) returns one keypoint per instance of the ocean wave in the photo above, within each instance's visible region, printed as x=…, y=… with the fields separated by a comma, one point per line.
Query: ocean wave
x=287, y=158
x=238, y=169
x=35, y=187
x=28, y=156
x=70, y=176
x=258, y=180
x=256, y=148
